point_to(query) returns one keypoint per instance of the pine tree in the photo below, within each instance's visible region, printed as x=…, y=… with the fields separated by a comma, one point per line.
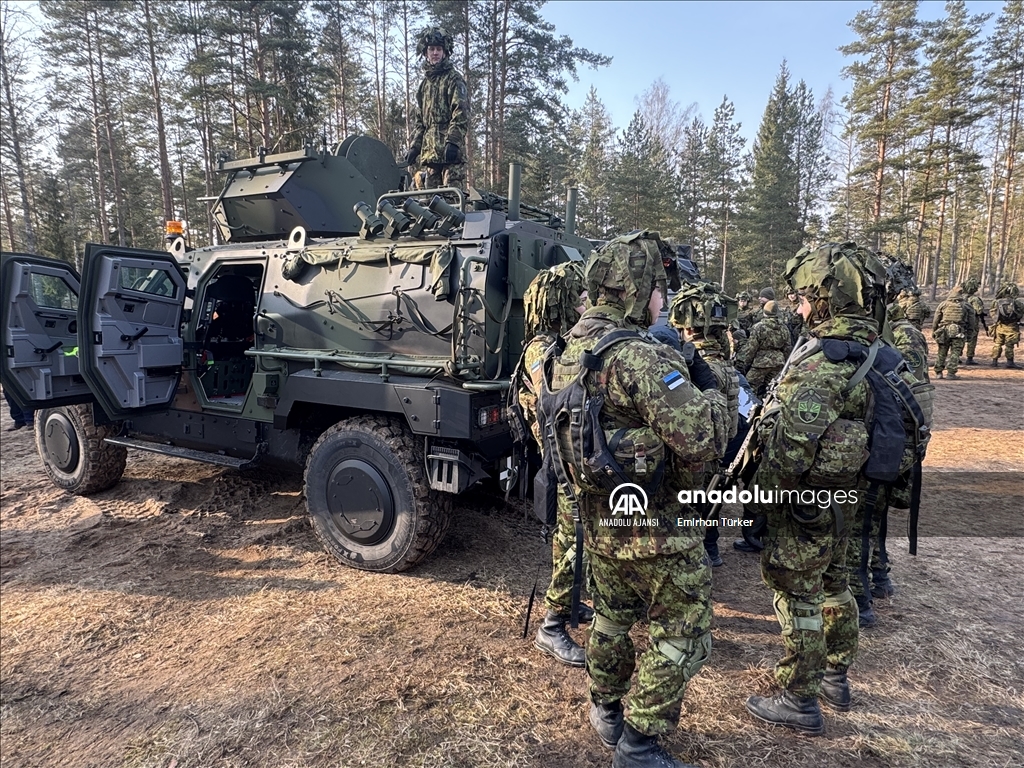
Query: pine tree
x=642, y=183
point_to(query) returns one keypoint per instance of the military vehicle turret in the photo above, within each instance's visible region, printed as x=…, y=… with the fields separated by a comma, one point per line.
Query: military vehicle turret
x=347, y=326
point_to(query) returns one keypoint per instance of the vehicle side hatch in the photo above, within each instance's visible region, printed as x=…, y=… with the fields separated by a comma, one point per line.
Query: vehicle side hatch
x=40, y=323
x=130, y=327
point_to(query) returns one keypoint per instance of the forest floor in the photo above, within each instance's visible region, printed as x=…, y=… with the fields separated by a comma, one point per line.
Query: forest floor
x=188, y=617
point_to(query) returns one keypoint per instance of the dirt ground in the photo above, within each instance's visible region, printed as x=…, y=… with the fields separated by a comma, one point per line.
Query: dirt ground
x=187, y=617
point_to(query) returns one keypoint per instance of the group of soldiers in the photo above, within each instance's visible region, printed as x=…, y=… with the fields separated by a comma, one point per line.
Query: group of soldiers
x=673, y=411
x=607, y=397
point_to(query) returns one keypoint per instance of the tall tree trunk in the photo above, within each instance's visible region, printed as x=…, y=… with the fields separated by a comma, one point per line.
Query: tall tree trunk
x=5, y=200
x=112, y=148
x=990, y=207
x=14, y=131
x=166, y=180
x=942, y=220
x=94, y=100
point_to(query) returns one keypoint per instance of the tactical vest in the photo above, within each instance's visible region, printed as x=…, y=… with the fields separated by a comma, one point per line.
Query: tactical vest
x=582, y=453
x=953, y=313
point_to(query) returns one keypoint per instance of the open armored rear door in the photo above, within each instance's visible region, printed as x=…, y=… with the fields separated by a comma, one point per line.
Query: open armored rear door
x=130, y=316
x=39, y=318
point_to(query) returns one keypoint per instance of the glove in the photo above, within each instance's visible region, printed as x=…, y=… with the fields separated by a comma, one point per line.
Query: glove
x=451, y=154
x=701, y=375
x=411, y=155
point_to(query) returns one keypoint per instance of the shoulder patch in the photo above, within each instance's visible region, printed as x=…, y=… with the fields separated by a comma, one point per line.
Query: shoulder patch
x=673, y=380
x=808, y=406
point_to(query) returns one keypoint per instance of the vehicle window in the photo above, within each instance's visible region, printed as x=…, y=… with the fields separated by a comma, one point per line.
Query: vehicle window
x=51, y=292
x=155, y=281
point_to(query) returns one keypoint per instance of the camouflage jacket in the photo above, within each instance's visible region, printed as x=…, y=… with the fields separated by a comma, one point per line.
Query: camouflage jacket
x=646, y=384
x=443, y=114
x=811, y=398
x=768, y=347
x=1018, y=305
x=726, y=376
x=746, y=318
x=794, y=321
x=913, y=346
x=978, y=305
x=956, y=316
x=916, y=309
x=530, y=373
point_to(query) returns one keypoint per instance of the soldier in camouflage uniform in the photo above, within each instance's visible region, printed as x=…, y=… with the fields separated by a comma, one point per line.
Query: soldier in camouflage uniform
x=815, y=438
x=970, y=289
x=954, y=322
x=1007, y=312
x=745, y=316
x=791, y=316
x=442, y=118
x=688, y=314
x=914, y=307
x=650, y=398
x=765, y=351
x=552, y=305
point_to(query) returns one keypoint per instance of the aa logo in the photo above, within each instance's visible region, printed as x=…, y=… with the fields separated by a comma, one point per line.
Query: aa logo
x=627, y=500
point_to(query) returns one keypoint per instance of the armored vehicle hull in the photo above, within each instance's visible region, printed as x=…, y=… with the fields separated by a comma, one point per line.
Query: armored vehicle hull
x=369, y=350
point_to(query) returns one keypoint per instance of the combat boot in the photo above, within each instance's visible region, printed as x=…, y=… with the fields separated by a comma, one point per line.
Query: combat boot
x=743, y=545
x=835, y=690
x=950, y=375
x=969, y=361
x=635, y=750
x=938, y=374
x=713, y=554
x=803, y=715
x=995, y=362
x=555, y=641
x=867, y=613
x=1011, y=364
x=881, y=584
x=607, y=721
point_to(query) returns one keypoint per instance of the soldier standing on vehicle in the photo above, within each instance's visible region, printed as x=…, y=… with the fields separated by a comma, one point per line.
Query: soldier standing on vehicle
x=442, y=118
x=552, y=305
x=954, y=322
x=1008, y=311
x=970, y=288
x=765, y=351
x=665, y=419
x=817, y=435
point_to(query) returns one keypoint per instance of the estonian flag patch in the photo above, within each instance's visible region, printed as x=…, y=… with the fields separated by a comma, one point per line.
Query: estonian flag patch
x=673, y=380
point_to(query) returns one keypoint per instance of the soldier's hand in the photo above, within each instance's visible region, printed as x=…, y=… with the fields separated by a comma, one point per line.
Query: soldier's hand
x=701, y=375
x=451, y=154
x=411, y=155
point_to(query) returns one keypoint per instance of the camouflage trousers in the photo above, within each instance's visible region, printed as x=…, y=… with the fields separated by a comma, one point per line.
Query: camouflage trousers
x=445, y=176
x=804, y=562
x=952, y=350
x=673, y=592
x=971, y=345
x=760, y=378
x=558, y=598
x=1005, y=337
x=876, y=561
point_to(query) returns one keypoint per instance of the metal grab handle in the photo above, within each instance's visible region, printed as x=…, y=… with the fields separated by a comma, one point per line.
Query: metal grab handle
x=136, y=337
x=54, y=348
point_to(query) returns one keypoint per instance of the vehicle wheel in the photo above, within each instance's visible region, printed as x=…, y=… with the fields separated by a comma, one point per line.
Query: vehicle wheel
x=368, y=496
x=73, y=452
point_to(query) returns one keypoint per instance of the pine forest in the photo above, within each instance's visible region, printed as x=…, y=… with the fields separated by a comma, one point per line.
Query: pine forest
x=114, y=112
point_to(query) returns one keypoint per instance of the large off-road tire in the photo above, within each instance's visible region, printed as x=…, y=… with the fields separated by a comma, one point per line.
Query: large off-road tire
x=368, y=496
x=73, y=452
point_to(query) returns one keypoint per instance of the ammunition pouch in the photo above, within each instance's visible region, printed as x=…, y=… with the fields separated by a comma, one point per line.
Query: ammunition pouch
x=545, y=494
x=640, y=454
x=796, y=616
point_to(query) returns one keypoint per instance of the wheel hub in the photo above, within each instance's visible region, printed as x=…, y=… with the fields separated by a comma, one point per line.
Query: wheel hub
x=360, y=502
x=61, y=442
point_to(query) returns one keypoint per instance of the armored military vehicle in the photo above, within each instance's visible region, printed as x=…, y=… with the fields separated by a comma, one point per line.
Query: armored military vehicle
x=347, y=325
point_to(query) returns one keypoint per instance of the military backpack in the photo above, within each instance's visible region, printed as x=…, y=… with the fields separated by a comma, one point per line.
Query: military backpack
x=1008, y=311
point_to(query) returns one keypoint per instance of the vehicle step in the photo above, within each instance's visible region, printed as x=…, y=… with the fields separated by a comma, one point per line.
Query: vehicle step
x=186, y=453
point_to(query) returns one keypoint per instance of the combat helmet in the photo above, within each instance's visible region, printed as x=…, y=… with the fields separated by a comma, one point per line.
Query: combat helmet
x=839, y=279
x=702, y=307
x=551, y=300
x=625, y=272
x=895, y=312
x=434, y=36
x=971, y=285
x=1008, y=290
x=743, y=296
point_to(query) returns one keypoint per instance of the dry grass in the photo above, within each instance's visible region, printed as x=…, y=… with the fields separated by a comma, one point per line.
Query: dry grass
x=195, y=622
